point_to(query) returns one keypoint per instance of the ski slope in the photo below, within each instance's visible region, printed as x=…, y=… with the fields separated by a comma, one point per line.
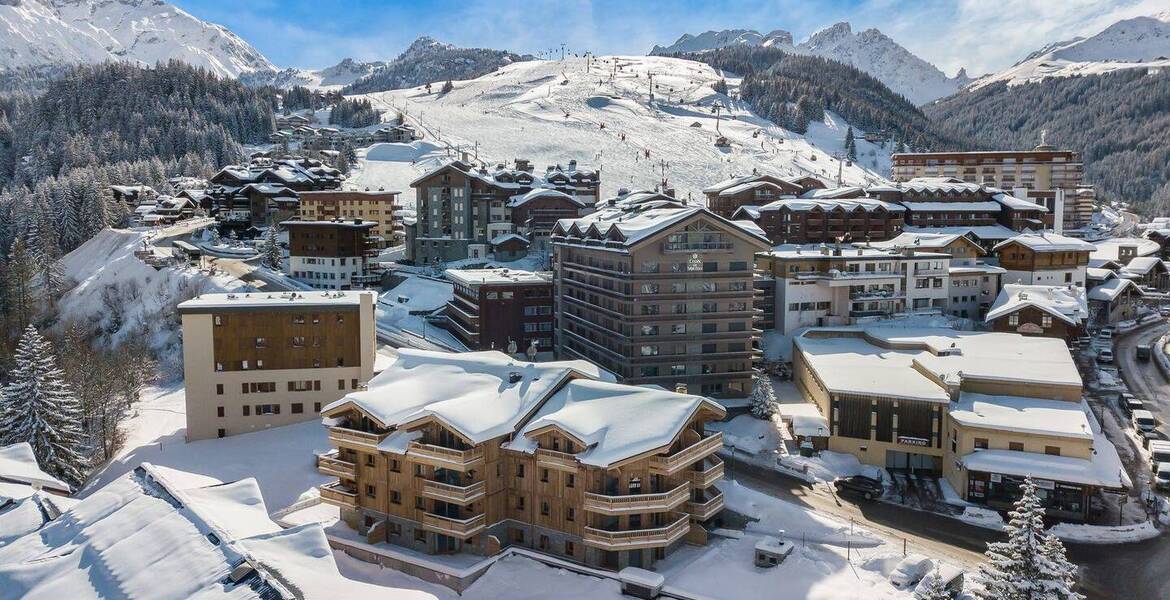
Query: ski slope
x=599, y=112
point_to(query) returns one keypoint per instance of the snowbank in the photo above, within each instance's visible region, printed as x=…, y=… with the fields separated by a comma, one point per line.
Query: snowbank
x=798, y=523
x=1098, y=534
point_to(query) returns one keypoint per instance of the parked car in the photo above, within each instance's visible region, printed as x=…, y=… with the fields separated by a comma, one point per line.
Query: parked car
x=1131, y=404
x=1105, y=356
x=1159, y=454
x=1106, y=333
x=1164, y=311
x=868, y=487
x=1162, y=476
x=1143, y=420
x=911, y=570
x=1144, y=351
x=951, y=576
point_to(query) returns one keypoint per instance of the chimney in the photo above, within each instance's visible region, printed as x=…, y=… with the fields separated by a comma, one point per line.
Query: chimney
x=1058, y=212
x=680, y=388
x=573, y=165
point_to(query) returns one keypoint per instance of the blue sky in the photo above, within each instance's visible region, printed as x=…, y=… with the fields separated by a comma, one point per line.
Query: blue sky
x=982, y=35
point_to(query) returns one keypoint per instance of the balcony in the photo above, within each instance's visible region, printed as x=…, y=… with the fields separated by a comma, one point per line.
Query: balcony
x=876, y=295
x=701, y=511
x=462, y=495
x=448, y=458
x=706, y=478
x=338, y=495
x=551, y=459
x=931, y=271
x=669, y=247
x=669, y=465
x=353, y=437
x=460, y=528
x=639, y=538
x=329, y=464
x=637, y=503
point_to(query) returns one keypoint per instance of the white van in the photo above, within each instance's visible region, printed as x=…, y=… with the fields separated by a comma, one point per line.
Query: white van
x=1162, y=476
x=1143, y=420
x=1159, y=453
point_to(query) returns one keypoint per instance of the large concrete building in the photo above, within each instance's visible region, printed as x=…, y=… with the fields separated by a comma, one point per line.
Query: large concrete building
x=254, y=361
x=491, y=309
x=659, y=292
x=333, y=255
x=377, y=207
x=462, y=209
x=1041, y=171
x=974, y=284
x=1044, y=259
x=984, y=410
x=474, y=452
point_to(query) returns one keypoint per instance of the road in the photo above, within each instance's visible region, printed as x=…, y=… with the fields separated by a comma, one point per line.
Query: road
x=1143, y=377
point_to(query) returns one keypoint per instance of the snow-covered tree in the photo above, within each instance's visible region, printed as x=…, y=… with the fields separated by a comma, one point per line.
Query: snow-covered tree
x=1030, y=564
x=40, y=408
x=850, y=144
x=763, y=398
x=447, y=87
x=271, y=256
x=934, y=588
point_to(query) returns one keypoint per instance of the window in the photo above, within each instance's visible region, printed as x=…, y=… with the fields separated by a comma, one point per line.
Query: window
x=569, y=548
x=520, y=503
x=353, y=384
x=710, y=307
x=395, y=529
x=649, y=267
x=649, y=350
x=710, y=267
x=298, y=341
x=544, y=475
x=520, y=470
x=679, y=328
x=420, y=535
x=420, y=503
x=570, y=514
x=218, y=320
x=395, y=466
x=570, y=481
x=649, y=288
x=1014, y=319
x=247, y=410
x=261, y=342
x=736, y=306
x=317, y=405
x=395, y=497
x=1016, y=446
x=220, y=432
x=219, y=389
x=298, y=408
x=737, y=265
x=298, y=319
x=371, y=491
x=1052, y=450
x=544, y=509
x=981, y=443
x=1046, y=321
x=219, y=411
x=341, y=384
x=649, y=330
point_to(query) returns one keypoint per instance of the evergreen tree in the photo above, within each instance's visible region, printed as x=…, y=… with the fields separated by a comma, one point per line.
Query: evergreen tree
x=850, y=144
x=19, y=276
x=447, y=87
x=720, y=87
x=272, y=256
x=40, y=408
x=934, y=588
x=1031, y=564
x=763, y=398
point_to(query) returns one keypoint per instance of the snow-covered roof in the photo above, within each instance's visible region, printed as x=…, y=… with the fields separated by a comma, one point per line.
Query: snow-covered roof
x=1099, y=273
x=19, y=464
x=1057, y=418
x=982, y=232
x=480, y=395
x=837, y=192
x=1108, y=249
x=952, y=206
x=922, y=239
x=751, y=185
x=159, y=533
x=1067, y=303
x=506, y=237
x=1047, y=242
x=1142, y=264
x=848, y=251
x=1097, y=471
x=522, y=199
x=354, y=223
x=1014, y=203
x=205, y=302
x=750, y=226
x=1111, y=289
x=632, y=222
x=495, y=276
x=722, y=186
x=934, y=185
x=892, y=361
x=616, y=421
x=827, y=204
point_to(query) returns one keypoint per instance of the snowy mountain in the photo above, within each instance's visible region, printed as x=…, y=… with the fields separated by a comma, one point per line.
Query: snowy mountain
x=36, y=33
x=551, y=112
x=336, y=77
x=428, y=61
x=1141, y=42
x=871, y=51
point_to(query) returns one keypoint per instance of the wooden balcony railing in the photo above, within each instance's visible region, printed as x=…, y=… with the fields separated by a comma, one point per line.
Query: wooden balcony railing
x=335, y=494
x=342, y=435
x=446, y=492
x=637, y=503
x=552, y=459
x=639, y=538
x=329, y=464
x=450, y=458
x=669, y=465
x=460, y=528
x=702, y=511
x=706, y=478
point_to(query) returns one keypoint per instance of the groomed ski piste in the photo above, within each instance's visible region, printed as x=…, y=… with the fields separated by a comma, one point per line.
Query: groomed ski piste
x=598, y=111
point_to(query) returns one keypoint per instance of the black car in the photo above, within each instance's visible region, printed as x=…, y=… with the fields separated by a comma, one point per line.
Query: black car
x=868, y=487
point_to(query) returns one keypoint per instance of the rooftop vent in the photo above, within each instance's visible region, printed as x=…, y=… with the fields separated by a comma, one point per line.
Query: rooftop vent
x=514, y=376
x=241, y=571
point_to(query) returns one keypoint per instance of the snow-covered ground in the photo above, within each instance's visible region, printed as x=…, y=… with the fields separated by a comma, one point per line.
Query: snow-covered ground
x=419, y=295
x=552, y=111
x=391, y=167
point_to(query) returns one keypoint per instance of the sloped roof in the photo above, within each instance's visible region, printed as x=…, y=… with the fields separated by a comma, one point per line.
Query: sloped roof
x=1047, y=242
x=1111, y=289
x=1067, y=303
x=19, y=464
x=522, y=199
x=829, y=203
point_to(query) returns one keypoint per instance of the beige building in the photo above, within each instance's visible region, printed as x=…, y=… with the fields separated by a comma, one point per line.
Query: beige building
x=474, y=452
x=254, y=361
x=1042, y=171
x=379, y=207
x=983, y=410
x=659, y=292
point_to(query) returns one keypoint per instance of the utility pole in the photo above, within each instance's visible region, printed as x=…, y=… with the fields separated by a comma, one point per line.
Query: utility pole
x=562, y=51
x=662, y=166
x=840, y=166
x=650, y=77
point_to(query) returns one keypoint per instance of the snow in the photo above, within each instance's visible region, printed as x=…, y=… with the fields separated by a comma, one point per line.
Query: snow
x=404, y=309
x=519, y=112
x=281, y=459
x=1048, y=242
x=258, y=299
x=393, y=166
x=1138, y=43
x=1096, y=472
x=1110, y=290
x=617, y=421
x=54, y=32
x=494, y=276
x=471, y=392
x=519, y=578
x=19, y=464
x=1069, y=304
x=1108, y=249
x=1022, y=415
x=827, y=204
x=979, y=516
x=1083, y=533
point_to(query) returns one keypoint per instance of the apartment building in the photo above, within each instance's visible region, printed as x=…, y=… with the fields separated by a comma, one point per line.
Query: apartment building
x=492, y=309
x=461, y=208
x=1052, y=311
x=1041, y=171
x=983, y=409
x=821, y=285
x=264, y=191
x=378, y=207
x=974, y=284
x=659, y=292
x=333, y=255
x=826, y=216
x=477, y=451
x=950, y=202
x=1044, y=259
x=727, y=196
x=254, y=361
